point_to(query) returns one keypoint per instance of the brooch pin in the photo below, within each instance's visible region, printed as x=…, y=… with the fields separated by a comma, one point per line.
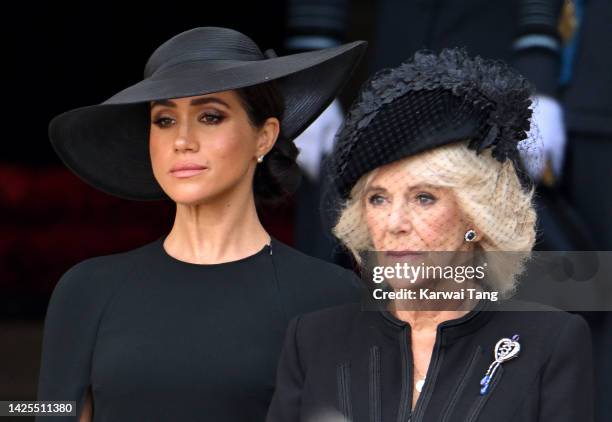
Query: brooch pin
x=505, y=349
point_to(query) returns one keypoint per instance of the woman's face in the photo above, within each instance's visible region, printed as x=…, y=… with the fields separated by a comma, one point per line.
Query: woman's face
x=212, y=133
x=406, y=214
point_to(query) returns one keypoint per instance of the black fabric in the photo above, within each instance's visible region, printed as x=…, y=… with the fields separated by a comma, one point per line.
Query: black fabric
x=587, y=162
x=542, y=67
x=106, y=145
x=587, y=98
x=315, y=22
x=411, y=124
x=159, y=339
x=344, y=361
x=560, y=227
x=428, y=101
x=539, y=17
x=486, y=29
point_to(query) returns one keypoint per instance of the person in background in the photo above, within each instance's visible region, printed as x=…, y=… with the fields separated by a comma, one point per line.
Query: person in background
x=312, y=25
x=586, y=82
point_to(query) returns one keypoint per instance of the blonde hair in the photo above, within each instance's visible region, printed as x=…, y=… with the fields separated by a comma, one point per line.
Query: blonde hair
x=488, y=192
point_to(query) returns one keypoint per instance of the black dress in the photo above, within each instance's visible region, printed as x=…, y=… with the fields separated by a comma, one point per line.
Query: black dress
x=159, y=339
x=344, y=364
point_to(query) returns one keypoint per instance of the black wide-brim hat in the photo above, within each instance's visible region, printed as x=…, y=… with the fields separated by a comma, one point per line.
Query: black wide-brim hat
x=107, y=145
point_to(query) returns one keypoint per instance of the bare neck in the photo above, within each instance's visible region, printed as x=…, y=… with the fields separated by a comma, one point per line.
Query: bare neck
x=220, y=230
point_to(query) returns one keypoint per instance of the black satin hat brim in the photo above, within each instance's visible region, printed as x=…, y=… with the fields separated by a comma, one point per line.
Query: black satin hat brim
x=107, y=145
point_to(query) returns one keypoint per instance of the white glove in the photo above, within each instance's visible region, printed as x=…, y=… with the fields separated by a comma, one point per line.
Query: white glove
x=318, y=139
x=546, y=138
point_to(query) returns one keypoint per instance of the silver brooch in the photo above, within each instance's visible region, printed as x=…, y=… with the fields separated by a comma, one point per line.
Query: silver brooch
x=505, y=349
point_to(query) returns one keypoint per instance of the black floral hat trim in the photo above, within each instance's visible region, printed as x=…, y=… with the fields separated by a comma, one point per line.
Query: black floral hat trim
x=491, y=87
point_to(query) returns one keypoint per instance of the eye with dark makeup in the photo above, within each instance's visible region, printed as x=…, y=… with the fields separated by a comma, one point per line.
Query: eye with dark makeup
x=208, y=118
x=211, y=117
x=163, y=121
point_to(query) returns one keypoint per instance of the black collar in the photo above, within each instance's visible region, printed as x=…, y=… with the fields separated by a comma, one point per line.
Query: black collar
x=450, y=330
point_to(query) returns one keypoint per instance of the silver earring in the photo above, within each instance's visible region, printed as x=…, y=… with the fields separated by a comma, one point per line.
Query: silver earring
x=260, y=159
x=470, y=235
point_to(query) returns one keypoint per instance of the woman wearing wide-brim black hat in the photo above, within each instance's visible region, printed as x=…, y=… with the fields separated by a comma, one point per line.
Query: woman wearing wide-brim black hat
x=189, y=327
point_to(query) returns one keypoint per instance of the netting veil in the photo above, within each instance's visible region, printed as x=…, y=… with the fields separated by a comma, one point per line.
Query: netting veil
x=429, y=159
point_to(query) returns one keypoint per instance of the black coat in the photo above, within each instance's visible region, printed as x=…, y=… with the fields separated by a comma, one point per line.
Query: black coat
x=345, y=364
x=160, y=339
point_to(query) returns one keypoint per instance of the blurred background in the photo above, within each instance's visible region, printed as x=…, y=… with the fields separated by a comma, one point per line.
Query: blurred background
x=61, y=56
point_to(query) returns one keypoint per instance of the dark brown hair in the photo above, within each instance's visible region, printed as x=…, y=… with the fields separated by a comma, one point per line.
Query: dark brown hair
x=278, y=176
